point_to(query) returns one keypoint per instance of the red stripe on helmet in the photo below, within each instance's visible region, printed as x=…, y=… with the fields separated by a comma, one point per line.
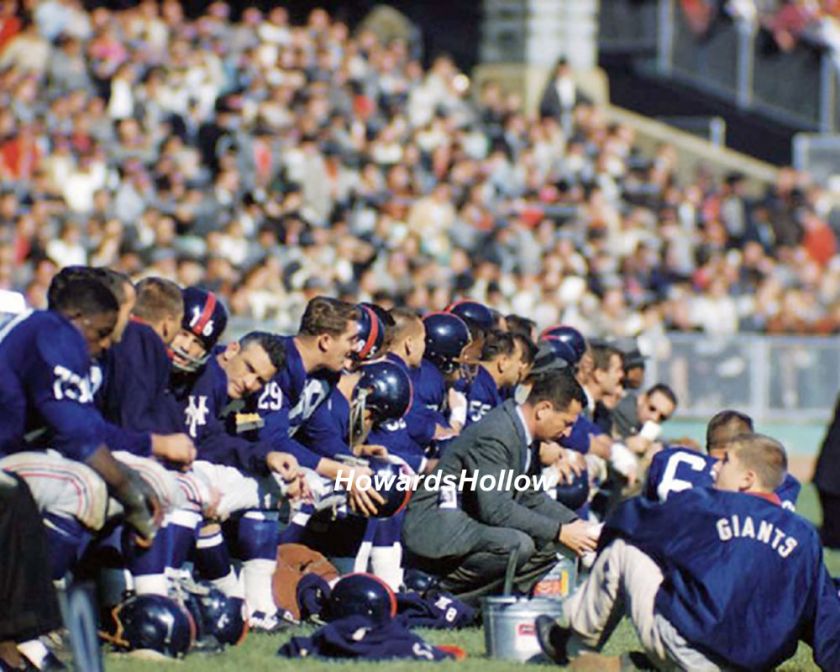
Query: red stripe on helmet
x=372, y=336
x=206, y=314
x=391, y=596
x=544, y=334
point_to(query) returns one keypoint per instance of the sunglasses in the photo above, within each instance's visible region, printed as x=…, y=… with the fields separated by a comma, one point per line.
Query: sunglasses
x=658, y=414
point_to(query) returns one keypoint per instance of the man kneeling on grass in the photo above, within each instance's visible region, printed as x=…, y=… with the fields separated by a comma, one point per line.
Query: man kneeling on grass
x=712, y=579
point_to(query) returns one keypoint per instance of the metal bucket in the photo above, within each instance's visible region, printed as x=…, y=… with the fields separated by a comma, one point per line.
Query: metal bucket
x=509, y=631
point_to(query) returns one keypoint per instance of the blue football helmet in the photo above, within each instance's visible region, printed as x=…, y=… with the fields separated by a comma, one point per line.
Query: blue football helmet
x=568, y=335
x=385, y=389
x=446, y=337
x=217, y=615
x=371, y=334
x=362, y=595
x=559, y=349
x=473, y=312
x=574, y=495
x=419, y=581
x=206, y=318
x=152, y=622
x=389, y=475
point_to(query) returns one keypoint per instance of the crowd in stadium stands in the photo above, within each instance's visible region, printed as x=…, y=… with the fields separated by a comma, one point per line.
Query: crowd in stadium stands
x=787, y=21
x=272, y=162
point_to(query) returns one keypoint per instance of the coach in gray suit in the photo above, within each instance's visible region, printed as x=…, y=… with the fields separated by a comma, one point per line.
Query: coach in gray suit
x=465, y=536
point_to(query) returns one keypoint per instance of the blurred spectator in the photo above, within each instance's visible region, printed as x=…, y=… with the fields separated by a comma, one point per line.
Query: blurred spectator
x=269, y=161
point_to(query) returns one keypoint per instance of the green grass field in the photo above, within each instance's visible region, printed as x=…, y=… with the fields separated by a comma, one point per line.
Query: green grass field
x=258, y=652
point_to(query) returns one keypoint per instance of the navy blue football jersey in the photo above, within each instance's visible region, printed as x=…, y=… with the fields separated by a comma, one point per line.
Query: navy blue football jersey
x=744, y=578
x=288, y=400
x=45, y=387
x=204, y=403
x=579, y=437
x=482, y=395
x=327, y=430
x=420, y=421
x=429, y=387
x=135, y=389
x=395, y=437
x=675, y=469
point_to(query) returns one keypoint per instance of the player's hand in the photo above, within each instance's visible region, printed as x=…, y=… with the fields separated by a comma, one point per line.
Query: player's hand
x=143, y=510
x=550, y=453
x=638, y=444
x=601, y=445
x=365, y=450
x=177, y=448
x=211, y=508
x=283, y=464
x=302, y=491
x=457, y=408
x=579, y=536
x=361, y=497
x=443, y=433
x=570, y=465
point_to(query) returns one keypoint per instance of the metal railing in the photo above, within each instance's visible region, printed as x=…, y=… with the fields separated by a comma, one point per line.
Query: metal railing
x=773, y=378
x=792, y=379
x=734, y=61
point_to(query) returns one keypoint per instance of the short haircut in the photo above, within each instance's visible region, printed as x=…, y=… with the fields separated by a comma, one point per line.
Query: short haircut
x=477, y=332
x=497, y=343
x=82, y=296
x=664, y=390
x=158, y=299
x=725, y=425
x=529, y=349
x=517, y=324
x=602, y=353
x=273, y=345
x=324, y=315
x=560, y=387
x=404, y=320
x=116, y=282
x=763, y=455
x=112, y=280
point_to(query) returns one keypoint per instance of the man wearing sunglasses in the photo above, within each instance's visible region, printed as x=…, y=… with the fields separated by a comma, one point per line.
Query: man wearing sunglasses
x=651, y=410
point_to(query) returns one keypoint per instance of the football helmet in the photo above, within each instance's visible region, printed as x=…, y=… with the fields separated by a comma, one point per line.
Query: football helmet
x=371, y=334
x=446, y=337
x=574, y=495
x=568, y=335
x=389, y=475
x=206, y=318
x=473, y=312
x=151, y=622
x=362, y=595
x=217, y=615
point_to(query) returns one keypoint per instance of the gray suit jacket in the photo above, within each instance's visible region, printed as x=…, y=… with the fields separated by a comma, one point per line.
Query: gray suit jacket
x=436, y=526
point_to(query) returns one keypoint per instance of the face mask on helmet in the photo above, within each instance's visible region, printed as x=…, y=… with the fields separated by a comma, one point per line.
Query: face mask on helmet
x=152, y=623
x=205, y=318
x=385, y=390
x=217, y=615
x=184, y=361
